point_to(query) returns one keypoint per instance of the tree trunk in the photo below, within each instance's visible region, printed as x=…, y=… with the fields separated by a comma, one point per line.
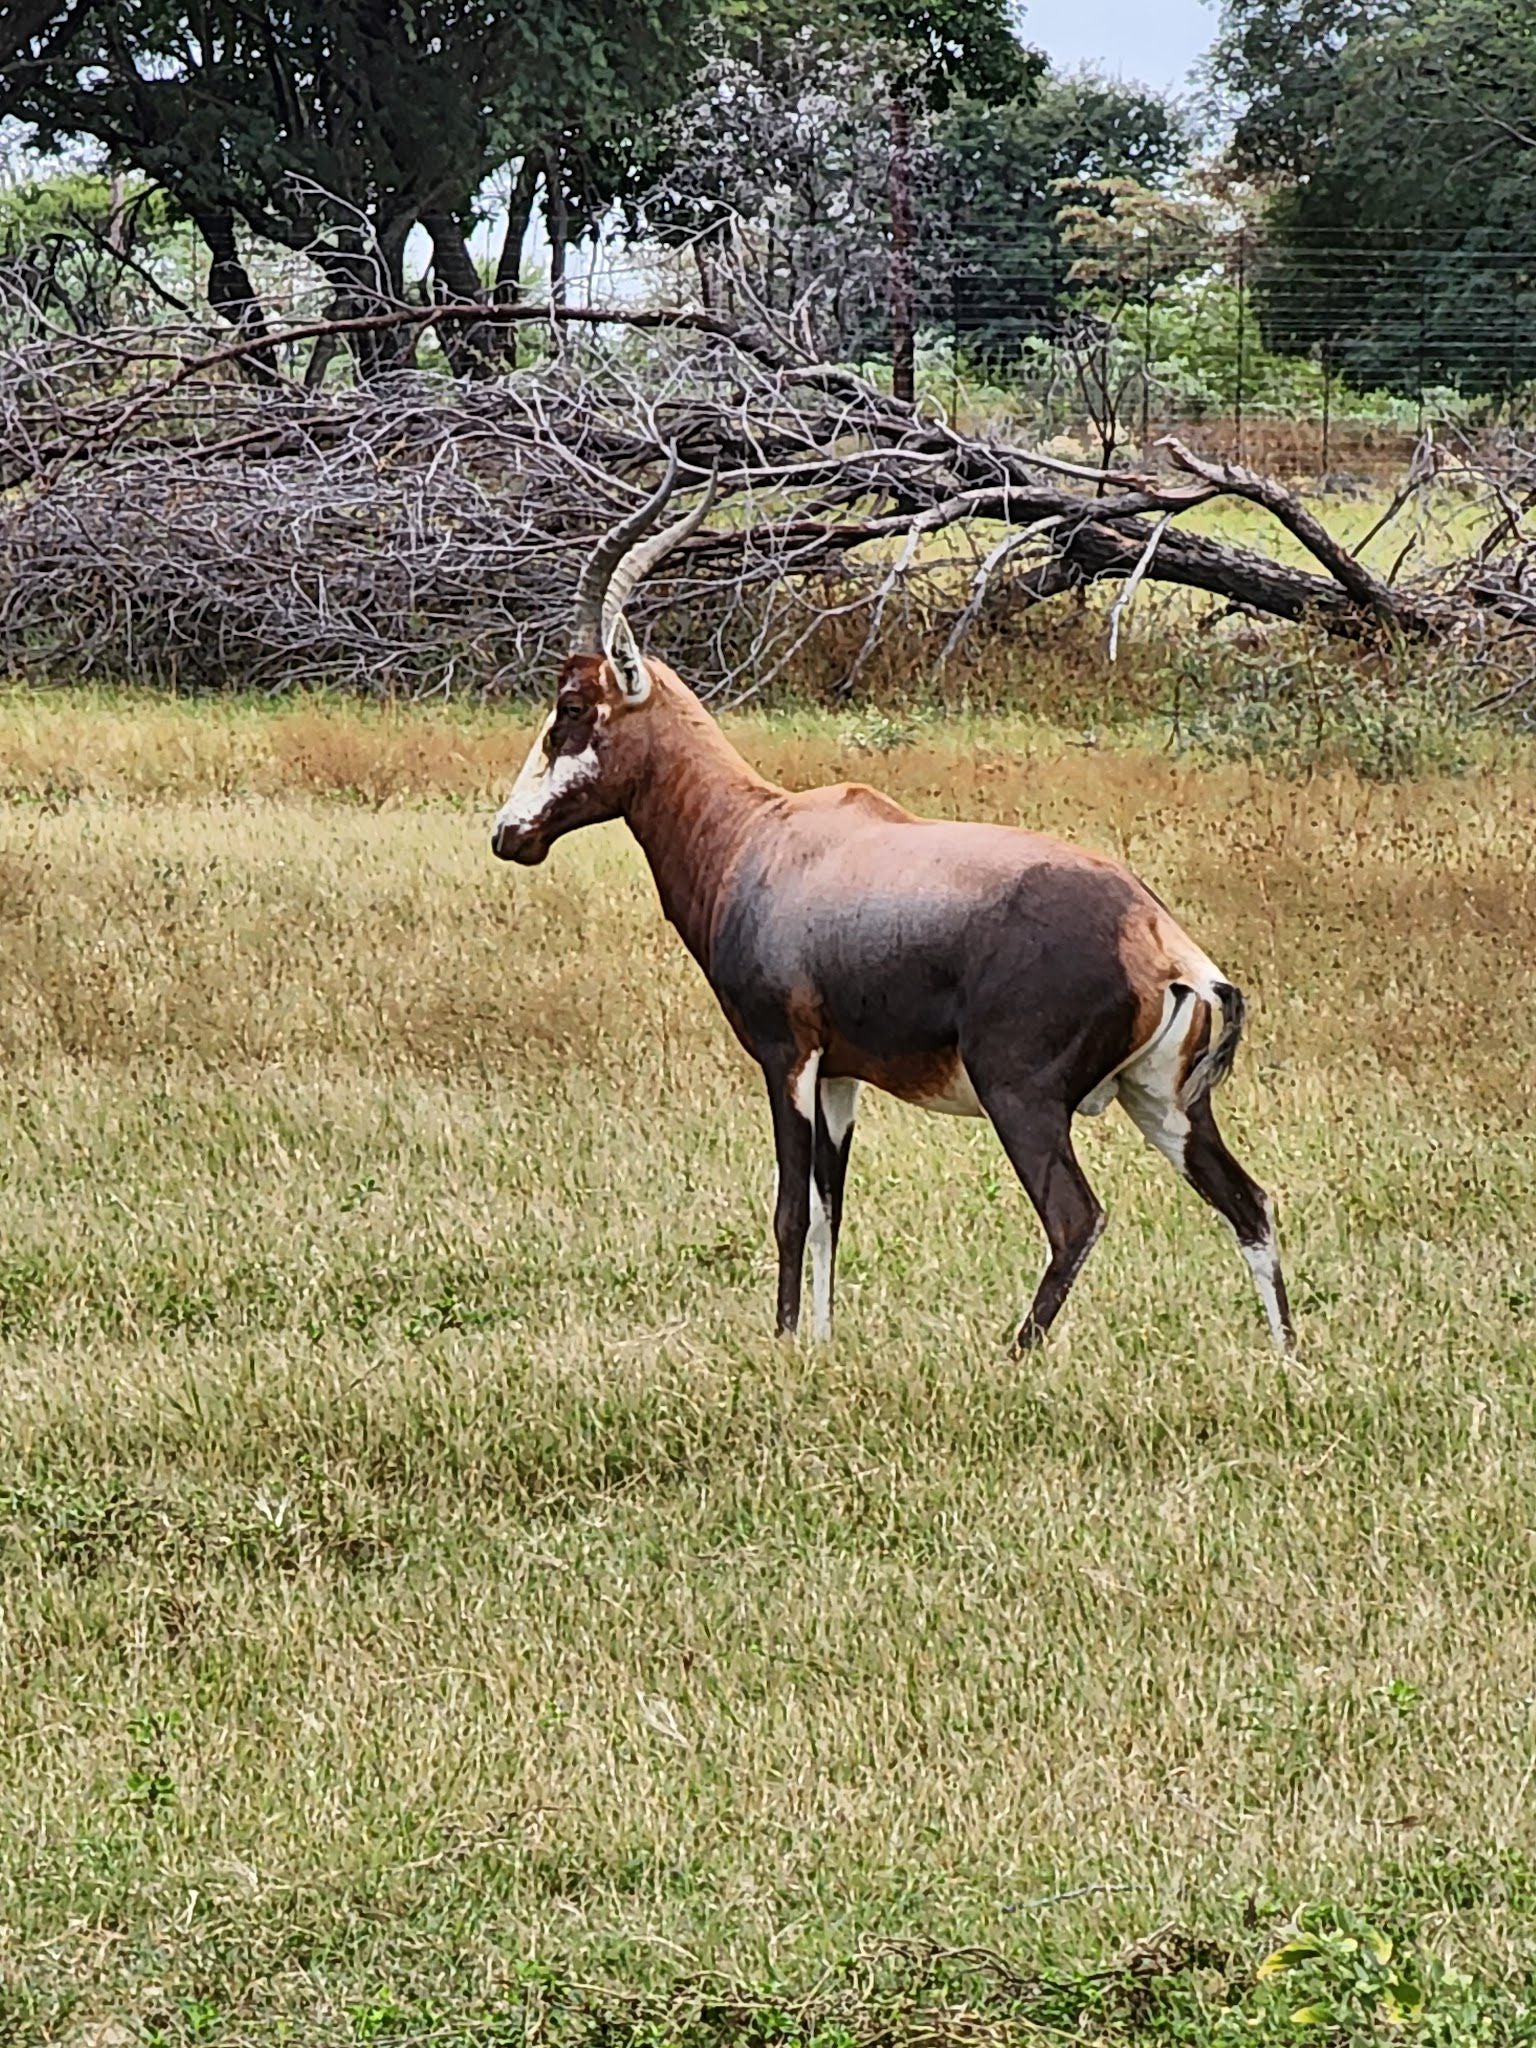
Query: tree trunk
x=509, y=265
x=557, y=218
x=368, y=277
x=452, y=264
x=470, y=346
x=325, y=351
x=117, y=215
x=231, y=293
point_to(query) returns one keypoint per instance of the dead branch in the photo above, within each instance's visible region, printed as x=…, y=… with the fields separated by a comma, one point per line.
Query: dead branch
x=1366, y=590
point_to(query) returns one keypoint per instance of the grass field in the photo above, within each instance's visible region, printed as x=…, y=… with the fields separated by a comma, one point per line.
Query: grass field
x=427, y=1587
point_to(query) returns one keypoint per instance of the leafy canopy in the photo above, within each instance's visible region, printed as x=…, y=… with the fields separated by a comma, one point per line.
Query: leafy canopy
x=1398, y=147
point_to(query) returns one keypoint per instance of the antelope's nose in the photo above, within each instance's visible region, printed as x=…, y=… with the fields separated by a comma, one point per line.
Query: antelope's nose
x=502, y=839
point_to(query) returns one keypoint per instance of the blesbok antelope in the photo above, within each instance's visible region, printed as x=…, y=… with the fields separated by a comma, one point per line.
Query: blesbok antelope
x=976, y=969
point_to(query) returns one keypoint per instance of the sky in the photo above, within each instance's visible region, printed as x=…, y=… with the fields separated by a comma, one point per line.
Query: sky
x=1152, y=42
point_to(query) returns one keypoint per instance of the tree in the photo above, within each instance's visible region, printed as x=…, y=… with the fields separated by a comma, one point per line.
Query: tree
x=334, y=126
x=1397, y=153
x=1004, y=172
x=787, y=138
x=810, y=128
x=776, y=175
x=938, y=48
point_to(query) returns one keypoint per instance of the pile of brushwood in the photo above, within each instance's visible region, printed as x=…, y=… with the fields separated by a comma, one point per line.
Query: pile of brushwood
x=179, y=508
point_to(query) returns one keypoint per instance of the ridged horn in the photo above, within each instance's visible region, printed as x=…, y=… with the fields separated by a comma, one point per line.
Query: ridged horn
x=640, y=561
x=604, y=560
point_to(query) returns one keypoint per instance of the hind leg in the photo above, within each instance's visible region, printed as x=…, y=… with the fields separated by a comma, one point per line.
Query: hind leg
x=1037, y=1136
x=1217, y=1178
x=1190, y=1139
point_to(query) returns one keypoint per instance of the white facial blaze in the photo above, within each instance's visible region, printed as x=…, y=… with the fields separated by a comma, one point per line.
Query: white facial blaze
x=541, y=780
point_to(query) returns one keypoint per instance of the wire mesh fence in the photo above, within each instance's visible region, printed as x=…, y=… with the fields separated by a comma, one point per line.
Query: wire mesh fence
x=1104, y=325
x=1325, y=357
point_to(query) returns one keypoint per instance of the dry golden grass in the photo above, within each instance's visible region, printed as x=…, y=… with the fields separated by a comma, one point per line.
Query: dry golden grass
x=418, y=1556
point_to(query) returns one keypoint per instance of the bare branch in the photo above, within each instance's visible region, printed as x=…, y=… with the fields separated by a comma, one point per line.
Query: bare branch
x=1118, y=608
x=1366, y=590
x=165, y=515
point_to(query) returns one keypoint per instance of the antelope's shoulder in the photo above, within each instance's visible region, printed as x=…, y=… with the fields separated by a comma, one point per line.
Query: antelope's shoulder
x=852, y=800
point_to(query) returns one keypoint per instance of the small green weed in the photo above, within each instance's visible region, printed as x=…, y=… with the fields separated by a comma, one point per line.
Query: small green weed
x=149, y=1784
x=877, y=731
x=1341, y=1977
x=193, y=2020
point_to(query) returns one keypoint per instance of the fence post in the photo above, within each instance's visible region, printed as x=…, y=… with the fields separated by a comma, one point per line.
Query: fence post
x=1423, y=341
x=1514, y=338
x=903, y=348
x=1242, y=318
x=1146, y=352
x=1327, y=394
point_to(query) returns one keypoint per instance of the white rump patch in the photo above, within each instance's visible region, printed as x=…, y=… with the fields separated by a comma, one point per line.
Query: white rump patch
x=540, y=781
x=1148, y=1084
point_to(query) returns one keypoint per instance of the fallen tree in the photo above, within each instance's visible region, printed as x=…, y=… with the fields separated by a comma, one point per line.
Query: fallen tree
x=167, y=516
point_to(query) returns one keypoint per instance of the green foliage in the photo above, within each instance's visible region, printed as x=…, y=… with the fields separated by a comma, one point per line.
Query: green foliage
x=1299, y=710
x=1161, y=303
x=935, y=48
x=1338, y=1975
x=946, y=47
x=1004, y=171
x=1204, y=341
x=334, y=128
x=149, y=1784
x=69, y=199
x=92, y=251
x=1399, y=148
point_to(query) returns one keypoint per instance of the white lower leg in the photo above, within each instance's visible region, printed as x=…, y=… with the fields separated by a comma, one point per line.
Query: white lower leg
x=1263, y=1261
x=839, y=1104
x=802, y=1094
x=819, y=1240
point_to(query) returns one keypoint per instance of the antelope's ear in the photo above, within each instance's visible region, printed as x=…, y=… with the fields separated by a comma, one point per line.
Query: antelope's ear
x=628, y=662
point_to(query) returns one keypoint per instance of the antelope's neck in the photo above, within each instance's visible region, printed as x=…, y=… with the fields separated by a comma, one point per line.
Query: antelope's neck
x=693, y=811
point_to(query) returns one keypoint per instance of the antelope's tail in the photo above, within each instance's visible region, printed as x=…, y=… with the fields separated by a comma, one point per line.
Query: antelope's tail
x=1215, y=1063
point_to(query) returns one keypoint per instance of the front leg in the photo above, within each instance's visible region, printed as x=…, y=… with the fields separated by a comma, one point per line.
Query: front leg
x=792, y=1099
x=836, y=1109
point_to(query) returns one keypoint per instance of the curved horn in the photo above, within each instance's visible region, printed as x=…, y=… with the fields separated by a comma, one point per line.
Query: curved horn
x=640, y=561
x=587, y=627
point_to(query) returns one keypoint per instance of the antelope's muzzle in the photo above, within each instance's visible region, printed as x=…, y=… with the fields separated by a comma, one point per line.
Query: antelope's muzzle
x=516, y=842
